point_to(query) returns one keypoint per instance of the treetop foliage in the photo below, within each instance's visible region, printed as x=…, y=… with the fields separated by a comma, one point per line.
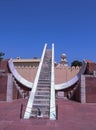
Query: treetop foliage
x=76, y=63
x=1, y=55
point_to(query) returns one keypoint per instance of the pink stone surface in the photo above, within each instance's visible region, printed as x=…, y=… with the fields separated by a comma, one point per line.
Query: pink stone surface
x=71, y=116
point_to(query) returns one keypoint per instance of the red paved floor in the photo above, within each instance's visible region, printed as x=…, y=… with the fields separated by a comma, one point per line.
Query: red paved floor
x=71, y=116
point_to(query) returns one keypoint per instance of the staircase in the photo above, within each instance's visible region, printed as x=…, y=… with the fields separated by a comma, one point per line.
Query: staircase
x=21, y=91
x=41, y=102
x=73, y=91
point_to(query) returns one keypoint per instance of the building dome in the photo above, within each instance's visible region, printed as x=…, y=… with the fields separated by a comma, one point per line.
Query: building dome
x=63, y=56
x=64, y=61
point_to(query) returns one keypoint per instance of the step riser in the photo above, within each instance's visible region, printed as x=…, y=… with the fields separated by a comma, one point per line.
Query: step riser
x=41, y=102
x=43, y=86
x=43, y=89
x=44, y=94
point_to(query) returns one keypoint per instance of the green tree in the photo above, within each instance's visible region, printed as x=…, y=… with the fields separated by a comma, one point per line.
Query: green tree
x=76, y=63
x=1, y=55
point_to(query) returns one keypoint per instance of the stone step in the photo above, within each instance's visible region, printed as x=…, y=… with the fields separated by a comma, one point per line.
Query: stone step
x=43, y=88
x=43, y=109
x=45, y=75
x=39, y=105
x=42, y=97
x=42, y=93
x=44, y=79
x=46, y=70
x=41, y=101
x=44, y=85
x=43, y=113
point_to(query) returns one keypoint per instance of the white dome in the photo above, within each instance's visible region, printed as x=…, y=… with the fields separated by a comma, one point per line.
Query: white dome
x=63, y=56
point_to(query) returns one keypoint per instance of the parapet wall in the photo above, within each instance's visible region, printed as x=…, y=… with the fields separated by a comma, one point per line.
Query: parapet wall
x=62, y=74
x=27, y=72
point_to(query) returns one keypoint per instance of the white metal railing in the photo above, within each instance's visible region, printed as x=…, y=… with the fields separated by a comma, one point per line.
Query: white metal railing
x=52, y=94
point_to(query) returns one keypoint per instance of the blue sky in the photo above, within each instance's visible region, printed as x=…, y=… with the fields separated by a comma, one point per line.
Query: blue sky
x=26, y=25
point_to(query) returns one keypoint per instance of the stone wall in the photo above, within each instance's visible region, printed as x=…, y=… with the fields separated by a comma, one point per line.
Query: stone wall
x=3, y=79
x=3, y=87
x=27, y=72
x=90, y=82
x=62, y=74
x=85, y=88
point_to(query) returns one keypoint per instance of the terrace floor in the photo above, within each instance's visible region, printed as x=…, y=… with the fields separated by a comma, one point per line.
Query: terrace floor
x=71, y=116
